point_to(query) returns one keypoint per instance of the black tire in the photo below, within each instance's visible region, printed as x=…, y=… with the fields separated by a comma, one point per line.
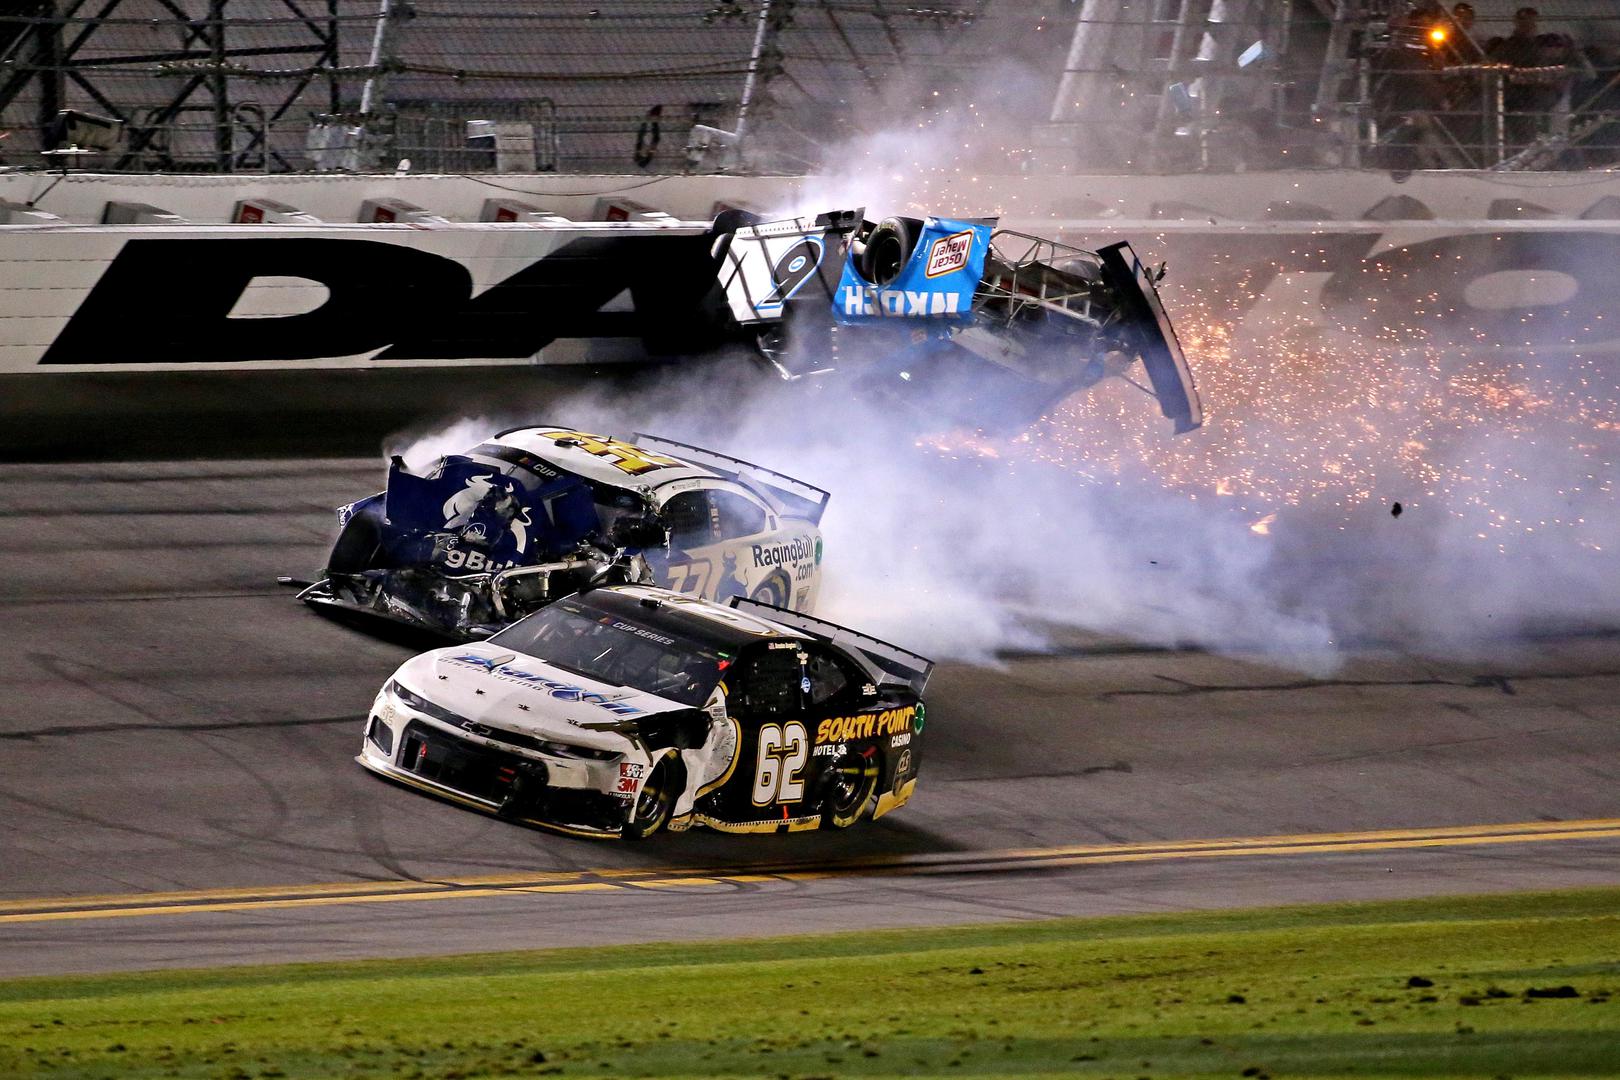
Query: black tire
x=656, y=801
x=774, y=590
x=849, y=784
x=888, y=247
x=358, y=544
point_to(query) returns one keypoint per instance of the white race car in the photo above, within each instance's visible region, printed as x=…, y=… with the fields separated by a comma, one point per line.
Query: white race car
x=534, y=513
x=625, y=709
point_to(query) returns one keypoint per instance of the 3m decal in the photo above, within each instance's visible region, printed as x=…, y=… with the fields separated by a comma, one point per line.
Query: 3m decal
x=630, y=774
x=783, y=752
x=949, y=253
x=865, y=726
x=621, y=455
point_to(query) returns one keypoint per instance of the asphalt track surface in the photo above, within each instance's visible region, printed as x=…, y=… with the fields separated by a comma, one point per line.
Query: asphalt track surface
x=177, y=785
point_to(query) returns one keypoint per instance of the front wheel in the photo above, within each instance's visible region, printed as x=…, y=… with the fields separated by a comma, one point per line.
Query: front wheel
x=851, y=781
x=654, y=804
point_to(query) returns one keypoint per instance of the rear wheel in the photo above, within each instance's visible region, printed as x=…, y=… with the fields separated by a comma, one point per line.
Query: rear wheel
x=888, y=248
x=654, y=804
x=773, y=590
x=851, y=781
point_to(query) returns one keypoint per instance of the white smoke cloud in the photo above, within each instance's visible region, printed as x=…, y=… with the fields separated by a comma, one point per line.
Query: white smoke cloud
x=960, y=558
x=421, y=449
x=962, y=547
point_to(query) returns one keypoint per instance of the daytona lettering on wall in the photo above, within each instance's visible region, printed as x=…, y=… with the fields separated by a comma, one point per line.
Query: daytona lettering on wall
x=453, y=293
x=409, y=303
x=1498, y=291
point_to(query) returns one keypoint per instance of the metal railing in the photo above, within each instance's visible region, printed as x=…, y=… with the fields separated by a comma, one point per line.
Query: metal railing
x=1151, y=85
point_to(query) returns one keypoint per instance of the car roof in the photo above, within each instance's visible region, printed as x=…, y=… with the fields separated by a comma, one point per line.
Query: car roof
x=601, y=459
x=700, y=620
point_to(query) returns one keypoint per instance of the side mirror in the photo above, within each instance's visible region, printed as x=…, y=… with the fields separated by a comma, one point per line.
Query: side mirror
x=639, y=532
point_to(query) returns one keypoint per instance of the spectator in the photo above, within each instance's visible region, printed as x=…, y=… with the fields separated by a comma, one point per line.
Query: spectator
x=1467, y=98
x=1408, y=93
x=1460, y=46
x=1527, y=98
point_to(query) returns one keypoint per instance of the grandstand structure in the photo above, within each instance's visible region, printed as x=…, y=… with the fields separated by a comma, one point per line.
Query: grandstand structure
x=668, y=86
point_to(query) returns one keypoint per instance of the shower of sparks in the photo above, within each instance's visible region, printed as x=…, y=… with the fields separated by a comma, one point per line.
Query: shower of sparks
x=1304, y=417
x=1510, y=435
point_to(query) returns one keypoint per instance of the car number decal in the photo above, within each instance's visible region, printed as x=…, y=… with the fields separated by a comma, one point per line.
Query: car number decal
x=623, y=456
x=782, y=753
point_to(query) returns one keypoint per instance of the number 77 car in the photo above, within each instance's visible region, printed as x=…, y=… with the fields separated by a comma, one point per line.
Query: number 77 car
x=623, y=710
x=531, y=514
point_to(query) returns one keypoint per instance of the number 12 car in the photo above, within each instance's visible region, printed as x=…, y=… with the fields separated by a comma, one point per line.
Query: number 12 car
x=627, y=709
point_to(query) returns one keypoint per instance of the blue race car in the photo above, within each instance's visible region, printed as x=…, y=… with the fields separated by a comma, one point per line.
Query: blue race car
x=988, y=323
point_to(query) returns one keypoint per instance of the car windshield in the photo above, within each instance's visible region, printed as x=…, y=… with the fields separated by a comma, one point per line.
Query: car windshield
x=613, y=649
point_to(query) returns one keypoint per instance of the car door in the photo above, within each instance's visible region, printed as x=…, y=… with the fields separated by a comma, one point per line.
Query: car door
x=710, y=530
x=765, y=558
x=765, y=693
x=833, y=687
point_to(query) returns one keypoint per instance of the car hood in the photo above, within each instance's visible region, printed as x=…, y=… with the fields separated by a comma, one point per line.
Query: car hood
x=503, y=689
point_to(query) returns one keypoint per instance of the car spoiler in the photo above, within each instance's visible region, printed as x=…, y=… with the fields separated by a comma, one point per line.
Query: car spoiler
x=792, y=496
x=892, y=661
x=1162, y=357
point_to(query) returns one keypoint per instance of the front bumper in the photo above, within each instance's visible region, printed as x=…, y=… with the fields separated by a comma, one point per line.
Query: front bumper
x=567, y=795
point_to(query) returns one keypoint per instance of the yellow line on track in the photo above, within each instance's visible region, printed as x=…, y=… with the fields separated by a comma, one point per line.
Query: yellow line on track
x=141, y=905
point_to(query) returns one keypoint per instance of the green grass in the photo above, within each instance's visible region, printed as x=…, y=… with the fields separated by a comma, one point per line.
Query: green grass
x=1320, y=991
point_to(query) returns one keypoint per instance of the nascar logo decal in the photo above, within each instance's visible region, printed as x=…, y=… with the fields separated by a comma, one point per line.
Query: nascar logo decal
x=949, y=254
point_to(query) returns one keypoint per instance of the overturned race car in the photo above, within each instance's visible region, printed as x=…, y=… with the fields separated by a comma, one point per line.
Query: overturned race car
x=991, y=324
x=493, y=534
x=624, y=710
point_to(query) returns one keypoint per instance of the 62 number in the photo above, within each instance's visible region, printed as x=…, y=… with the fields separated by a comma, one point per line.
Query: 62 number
x=782, y=753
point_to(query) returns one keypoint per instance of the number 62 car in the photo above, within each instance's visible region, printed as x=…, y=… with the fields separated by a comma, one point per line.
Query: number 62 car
x=626, y=709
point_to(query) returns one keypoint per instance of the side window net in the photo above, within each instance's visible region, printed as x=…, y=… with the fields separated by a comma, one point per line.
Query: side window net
x=769, y=683
x=690, y=519
x=738, y=516
x=828, y=679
